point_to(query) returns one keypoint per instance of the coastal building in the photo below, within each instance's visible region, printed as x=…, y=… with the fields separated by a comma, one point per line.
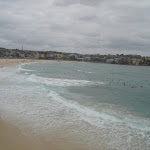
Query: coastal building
x=22, y=55
x=87, y=58
x=110, y=61
x=73, y=56
x=80, y=59
x=52, y=56
x=147, y=59
x=41, y=56
x=58, y=55
x=36, y=55
x=116, y=59
x=138, y=61
x=133, y=61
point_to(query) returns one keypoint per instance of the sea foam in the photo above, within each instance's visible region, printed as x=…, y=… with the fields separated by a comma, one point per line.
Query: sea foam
x=48, y=110
x=61, y=82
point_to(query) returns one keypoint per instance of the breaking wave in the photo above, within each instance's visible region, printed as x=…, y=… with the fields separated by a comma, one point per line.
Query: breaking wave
x=86, y=71
x=61, y=82
x=55, y=110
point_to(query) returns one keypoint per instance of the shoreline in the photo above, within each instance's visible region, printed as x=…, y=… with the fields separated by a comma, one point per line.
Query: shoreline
x=10, y=62
x=11, y=137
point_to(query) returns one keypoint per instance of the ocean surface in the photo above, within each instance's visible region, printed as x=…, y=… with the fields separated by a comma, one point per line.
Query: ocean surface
x=104, y=106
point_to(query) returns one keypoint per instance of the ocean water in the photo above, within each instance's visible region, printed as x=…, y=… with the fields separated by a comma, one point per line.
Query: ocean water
x=103, y=106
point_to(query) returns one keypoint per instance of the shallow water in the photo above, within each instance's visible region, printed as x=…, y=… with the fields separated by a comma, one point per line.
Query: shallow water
x=100, y=105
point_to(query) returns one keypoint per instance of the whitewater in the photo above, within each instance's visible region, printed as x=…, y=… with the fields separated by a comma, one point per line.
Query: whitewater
x=101, y=105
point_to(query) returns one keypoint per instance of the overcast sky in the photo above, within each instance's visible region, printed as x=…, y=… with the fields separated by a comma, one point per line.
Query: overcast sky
x=82, y=26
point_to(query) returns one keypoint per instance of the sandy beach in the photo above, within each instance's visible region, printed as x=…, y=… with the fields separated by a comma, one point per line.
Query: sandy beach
x=11, y=138
x=72, y=106
x=9, y=62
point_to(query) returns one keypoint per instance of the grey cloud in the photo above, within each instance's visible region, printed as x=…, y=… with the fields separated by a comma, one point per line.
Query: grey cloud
x=127, y=44
x=72, y=2
x=91, y=17
x=82, y=26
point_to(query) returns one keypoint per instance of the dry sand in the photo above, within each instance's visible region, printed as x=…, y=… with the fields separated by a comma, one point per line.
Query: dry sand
x=11, y=137
x=8, y=62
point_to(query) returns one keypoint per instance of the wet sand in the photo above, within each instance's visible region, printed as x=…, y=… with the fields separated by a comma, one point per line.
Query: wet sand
x=11, y=138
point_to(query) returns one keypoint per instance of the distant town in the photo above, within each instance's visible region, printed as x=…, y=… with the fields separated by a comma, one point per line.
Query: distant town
x=53, y=55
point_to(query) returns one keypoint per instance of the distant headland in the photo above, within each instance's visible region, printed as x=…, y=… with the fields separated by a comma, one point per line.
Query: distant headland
x=53, y=55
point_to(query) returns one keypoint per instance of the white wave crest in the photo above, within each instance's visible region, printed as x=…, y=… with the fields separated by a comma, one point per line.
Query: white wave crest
x=86, y=71
x=61, y=82
x=23, y=69
x=101, y=119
